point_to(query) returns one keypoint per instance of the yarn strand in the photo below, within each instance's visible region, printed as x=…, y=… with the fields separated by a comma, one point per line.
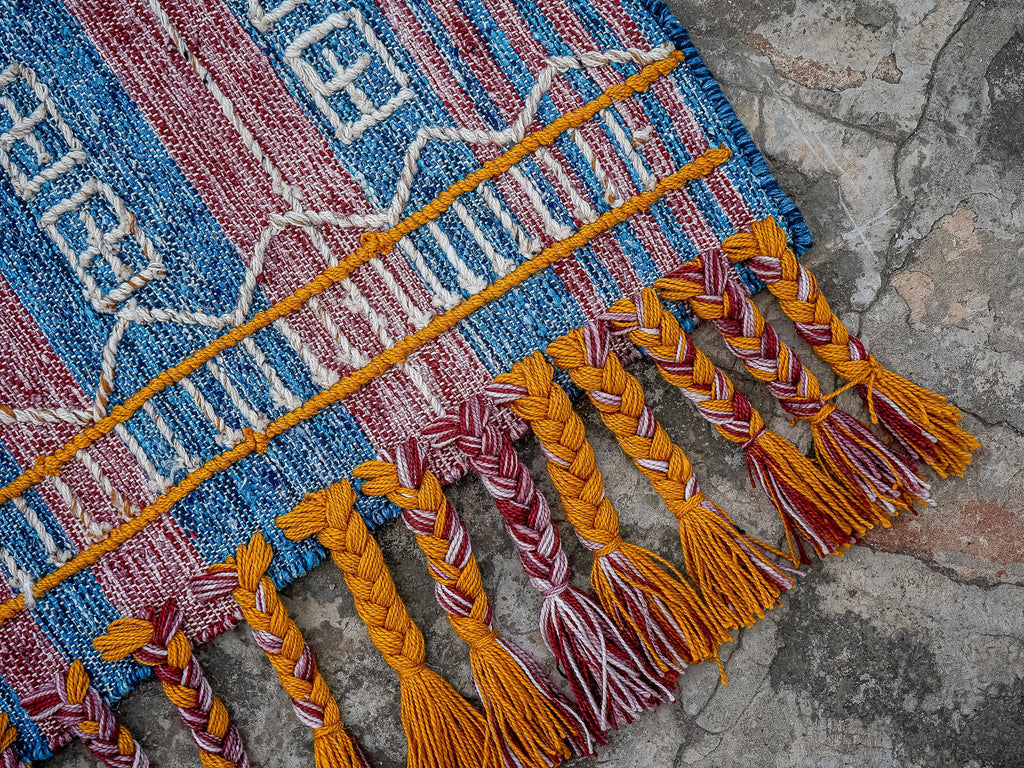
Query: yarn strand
x=529, y=722
x=441, y=728
x=611, y=677
x=733, y=572
x=244, y=577
x=638, y=589
x=810, y=504
x=877, y=480
x=920, y=421
x=157, y=641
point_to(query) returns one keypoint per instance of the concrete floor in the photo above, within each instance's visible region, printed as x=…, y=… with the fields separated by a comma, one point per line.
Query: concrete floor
x=897, y=127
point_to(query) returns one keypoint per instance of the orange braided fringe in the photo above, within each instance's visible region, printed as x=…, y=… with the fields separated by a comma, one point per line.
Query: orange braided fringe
x=9, y=757
x=158, y=642
x=920, y=420
x=529, y=723
x=639, y=590
x=244, y=576
x=871, y=475
x=442, y=729
x=809, y=503
x=733, y=571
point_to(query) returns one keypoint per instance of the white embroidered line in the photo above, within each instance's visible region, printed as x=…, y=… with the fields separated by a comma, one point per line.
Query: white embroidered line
x=264, y=20
x=611, y=195
x=54, y=554
x=499, y=263
x=105, y=385
x=227, y=436
x=156, y=480
x=103, y=243
x=121, y=504
x=528, y=246
x=185, y=459
x=345, y=76
x=93, y=531
x=45, y=416
x=611, y=120
x=256, y=419
x=282, y=396
x=323, y=377
x=443, y=299
x=582, y=210
x=19, y=580
x=555, y=229
x=469, y=280
x=23, y=129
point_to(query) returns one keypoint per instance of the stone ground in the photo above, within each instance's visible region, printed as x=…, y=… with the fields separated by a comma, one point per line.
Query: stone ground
x=897, y=127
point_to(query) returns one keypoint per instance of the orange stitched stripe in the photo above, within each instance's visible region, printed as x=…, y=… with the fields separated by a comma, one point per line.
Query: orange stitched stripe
x=344, y=387
x=373, y=242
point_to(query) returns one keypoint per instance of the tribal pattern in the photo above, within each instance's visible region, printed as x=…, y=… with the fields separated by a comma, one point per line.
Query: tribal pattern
x=255, y=253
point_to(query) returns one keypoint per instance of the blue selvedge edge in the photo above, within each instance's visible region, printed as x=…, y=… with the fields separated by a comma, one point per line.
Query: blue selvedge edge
x=799, y=233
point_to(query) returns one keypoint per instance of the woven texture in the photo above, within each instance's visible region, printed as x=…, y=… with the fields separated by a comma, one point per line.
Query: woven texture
x=176, y=174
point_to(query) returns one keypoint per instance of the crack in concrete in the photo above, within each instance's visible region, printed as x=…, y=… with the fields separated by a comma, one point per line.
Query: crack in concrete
x=898, y=155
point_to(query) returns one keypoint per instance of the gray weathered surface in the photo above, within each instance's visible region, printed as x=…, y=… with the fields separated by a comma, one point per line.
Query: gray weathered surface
x=896, y=126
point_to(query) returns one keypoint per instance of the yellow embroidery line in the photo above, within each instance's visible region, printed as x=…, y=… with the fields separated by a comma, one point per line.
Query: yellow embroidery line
x=371, y=244
x=257, y=441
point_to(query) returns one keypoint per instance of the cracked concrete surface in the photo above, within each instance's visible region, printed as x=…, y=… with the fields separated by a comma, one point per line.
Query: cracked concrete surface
x=896, y=126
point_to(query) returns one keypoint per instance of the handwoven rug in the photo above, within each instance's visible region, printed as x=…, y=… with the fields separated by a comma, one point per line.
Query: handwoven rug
x=270, y=272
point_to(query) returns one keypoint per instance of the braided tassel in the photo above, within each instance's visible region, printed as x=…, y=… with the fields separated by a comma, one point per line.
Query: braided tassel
x=158, y=642
x=9, y=757
x=804, y=496
x=920, y=420
x=71, y=700
x=880, y=481
x=244, y=577
x=733, y=571
x=529, y=722
x=638, y=589
x=442, y=730
x=610, y=676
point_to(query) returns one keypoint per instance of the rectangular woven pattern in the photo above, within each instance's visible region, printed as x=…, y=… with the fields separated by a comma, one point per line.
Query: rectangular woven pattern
x=174, y=172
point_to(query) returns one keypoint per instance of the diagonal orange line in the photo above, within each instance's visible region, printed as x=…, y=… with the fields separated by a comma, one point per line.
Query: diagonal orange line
x=354, y=381
x=372, y=244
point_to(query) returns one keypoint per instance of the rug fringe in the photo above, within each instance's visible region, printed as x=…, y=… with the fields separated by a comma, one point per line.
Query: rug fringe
x=244, y=578
x=529, y=721
x=611, y=677
x=157, y=641
x=441, y=728
x=919, y=420
x=638, y=589
x=733, y=572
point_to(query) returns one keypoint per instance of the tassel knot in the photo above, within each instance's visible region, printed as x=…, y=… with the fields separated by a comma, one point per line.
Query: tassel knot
x=878, y=481
x=808, y=502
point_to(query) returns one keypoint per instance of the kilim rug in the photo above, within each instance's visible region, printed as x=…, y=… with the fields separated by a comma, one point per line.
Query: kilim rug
x=273, y=274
